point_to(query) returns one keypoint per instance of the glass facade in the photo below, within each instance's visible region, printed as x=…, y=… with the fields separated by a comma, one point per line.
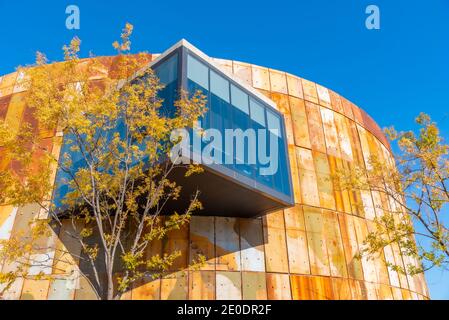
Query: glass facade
x=231, y=107
x=251, y=149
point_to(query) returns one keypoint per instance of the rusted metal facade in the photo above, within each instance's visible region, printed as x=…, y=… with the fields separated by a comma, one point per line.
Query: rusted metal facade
x=305, y=252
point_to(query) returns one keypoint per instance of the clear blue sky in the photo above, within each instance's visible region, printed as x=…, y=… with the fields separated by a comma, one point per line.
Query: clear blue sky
x=393, y=73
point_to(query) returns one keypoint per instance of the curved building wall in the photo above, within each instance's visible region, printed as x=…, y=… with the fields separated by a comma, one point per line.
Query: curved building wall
x=305, y=252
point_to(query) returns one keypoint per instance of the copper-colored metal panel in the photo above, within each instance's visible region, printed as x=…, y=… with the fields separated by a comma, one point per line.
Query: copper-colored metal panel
x=175, y=286
x=4, y=103
x=342, y=200
x=224, y=64
x=334, y=245
x=282, y=102
x=85, y=291
x=369, y=269
x=299, y=123
x=347, y=108
x=228, y=285
x=261, y=78
x=357, y=114
x=7, y=217
x=62, y=289
x=350, y=245
x=251, y=245
x=336, y=102
x=68, y=248
x=371, y=291
x=14, y=115
x=324, y=96
x=310, y=93
x=324, y=181
x=278, y=286
x=15, y=290
x=311, y=288
x=278, y=81
x=316, y=132
x=307, y=177
x=294, y=86
x=316, y=240
x=294, y=170
x=8, y=80
x=344, y=138
x=393, y=275
x=341, y=289
x=384, y=292
x=146, y=289
x=330, y=132
x=275, y=243
x=298, y=255
x=243, y=72
x=202, y=285
x=178, y=241
x=202, y=240
x=254, y=286
x=358, y=290
x=227, y=246
x=301, y=287
x=35, y=289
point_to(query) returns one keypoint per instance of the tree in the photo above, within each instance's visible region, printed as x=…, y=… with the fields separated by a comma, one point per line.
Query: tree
x=417, y=185
x=113, y=178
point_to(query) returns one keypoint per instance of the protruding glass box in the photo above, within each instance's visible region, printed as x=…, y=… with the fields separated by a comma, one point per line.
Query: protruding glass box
x=243, y=149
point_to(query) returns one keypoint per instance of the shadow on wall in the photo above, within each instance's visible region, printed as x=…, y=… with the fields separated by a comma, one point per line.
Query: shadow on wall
x=228, y=244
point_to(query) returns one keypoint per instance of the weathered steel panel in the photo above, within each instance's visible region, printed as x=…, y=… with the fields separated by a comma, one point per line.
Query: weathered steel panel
x=146, y=289
x=330, y=132
x=228, y=285
x=294, y=86
x=7, y=217
x=178, y=241
x=324, y=96
x=335, y=245
x=309, y=89
x=278, y=286
x=275, y=242
x=278, y=81
x=254, y=286
x=299, y=122
x=307, y=177
x=227, y=246
x=202, y=285
x=86, y=290
x=202, y=240
x=62, y=289
x=35, y=289
x=316, y=132
x=341, y=289
x=350, y=245
x=298, y=255
x=294, y=174
x=243, y=71
x=175, y=286
x=316, y=240
x=324, y=180
x=252, y=245
x=261, y=78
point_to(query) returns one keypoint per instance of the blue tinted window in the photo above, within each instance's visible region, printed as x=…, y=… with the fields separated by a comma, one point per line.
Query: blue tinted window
x=167, y=72
x=197, y=72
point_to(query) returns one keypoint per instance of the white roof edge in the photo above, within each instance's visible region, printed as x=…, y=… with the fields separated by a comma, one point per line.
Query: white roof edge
x=198, y=52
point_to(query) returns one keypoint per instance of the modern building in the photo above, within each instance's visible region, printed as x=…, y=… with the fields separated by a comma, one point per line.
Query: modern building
x=293, y=234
